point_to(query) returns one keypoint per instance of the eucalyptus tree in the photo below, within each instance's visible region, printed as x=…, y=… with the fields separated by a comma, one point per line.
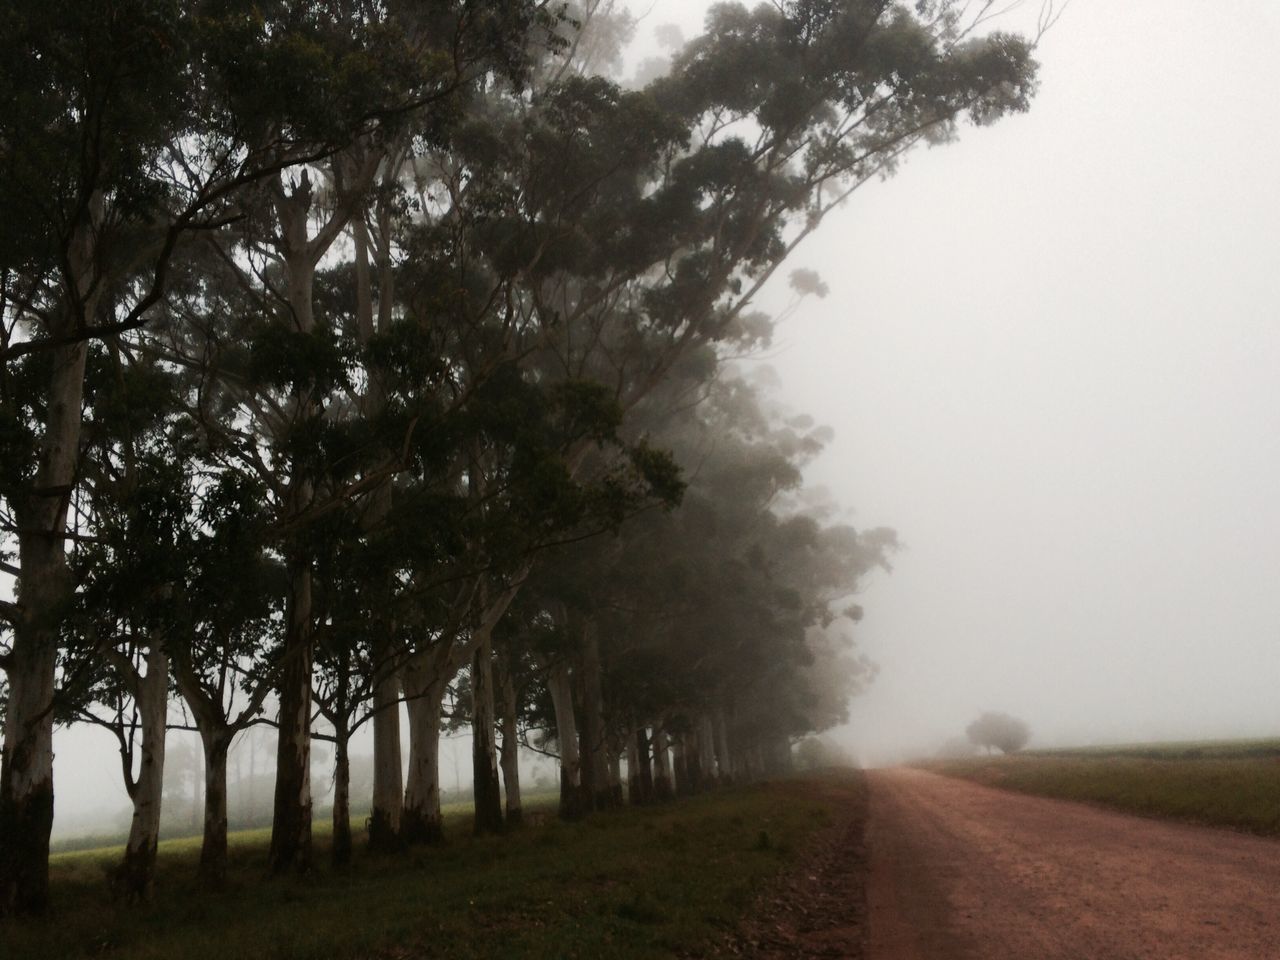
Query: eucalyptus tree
x=93, y=97
x=467, y=249
x=284, y=418
x=130, y=127
x=710, y=620
x=515, y=686
x=530, y=495
x=230, y=614
x=130, y=512
x=617, y=232
x=765, y=123
x=173, y=593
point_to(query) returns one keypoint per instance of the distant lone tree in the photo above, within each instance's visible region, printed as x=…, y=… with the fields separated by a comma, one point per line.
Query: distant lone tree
x=999, y=730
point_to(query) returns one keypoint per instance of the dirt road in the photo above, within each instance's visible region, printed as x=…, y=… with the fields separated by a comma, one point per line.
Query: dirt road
x=960, y=871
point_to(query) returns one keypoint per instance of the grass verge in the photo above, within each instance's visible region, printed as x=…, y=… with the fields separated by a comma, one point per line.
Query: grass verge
x=633, y=883
x=1239, y=790
x=1180, y=750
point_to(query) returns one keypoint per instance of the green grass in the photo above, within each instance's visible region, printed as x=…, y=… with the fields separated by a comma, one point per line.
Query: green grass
x=1180, y=750
x=1233, y=785
x=108, y=846
x=627, y=884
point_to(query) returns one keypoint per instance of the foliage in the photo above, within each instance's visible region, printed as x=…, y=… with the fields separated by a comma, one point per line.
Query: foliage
x=1000, y=731
x=820, y=753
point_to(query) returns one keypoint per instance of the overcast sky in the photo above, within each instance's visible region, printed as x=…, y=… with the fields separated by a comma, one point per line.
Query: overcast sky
x=1051, y=356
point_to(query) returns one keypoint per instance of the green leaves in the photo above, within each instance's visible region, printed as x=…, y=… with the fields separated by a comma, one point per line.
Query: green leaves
x=92, y=92
x=315, y=362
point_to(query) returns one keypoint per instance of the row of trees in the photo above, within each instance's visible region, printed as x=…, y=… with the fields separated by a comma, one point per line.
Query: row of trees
x=357, y=352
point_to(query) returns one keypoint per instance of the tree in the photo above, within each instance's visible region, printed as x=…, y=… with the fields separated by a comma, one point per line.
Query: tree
x=349, y=346
x=1000, y=731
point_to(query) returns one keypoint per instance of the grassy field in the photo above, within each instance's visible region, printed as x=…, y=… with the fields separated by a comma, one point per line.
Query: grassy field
x=107, y=847
x=629, y=884
x=1222, y=783
x=1182, y=750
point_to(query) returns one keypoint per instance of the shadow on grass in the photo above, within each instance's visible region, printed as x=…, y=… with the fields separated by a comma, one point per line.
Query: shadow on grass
x=631, y=883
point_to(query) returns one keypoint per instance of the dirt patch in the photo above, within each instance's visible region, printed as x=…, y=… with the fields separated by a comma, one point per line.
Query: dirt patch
x=818, y=909
x=968, y=872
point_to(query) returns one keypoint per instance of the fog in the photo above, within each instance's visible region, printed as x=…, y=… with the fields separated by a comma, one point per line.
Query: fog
x=91, y=799
x=1049, y=355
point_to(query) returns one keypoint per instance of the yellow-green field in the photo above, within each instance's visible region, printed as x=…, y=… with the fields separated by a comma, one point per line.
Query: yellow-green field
x=1223, y=783
x=627, y=884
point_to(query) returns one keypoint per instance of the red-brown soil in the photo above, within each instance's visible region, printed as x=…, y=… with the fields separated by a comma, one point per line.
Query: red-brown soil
x=964, y=872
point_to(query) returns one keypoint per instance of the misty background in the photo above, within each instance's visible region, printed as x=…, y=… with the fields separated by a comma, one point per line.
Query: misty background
x=1049, y=356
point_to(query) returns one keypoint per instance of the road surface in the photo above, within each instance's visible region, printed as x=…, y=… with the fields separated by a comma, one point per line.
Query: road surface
x=964, y=872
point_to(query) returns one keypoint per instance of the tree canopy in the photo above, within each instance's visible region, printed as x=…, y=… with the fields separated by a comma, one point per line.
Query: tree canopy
x=999, y=731
x=367, y=356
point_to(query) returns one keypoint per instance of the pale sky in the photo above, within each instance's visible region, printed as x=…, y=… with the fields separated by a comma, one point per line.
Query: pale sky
x=1050, y=356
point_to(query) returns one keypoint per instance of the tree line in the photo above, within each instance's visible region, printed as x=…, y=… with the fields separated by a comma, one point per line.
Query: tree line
x=360, y=353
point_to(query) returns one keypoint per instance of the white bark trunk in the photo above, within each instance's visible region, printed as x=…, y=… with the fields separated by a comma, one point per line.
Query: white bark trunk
x=707, y=750
x=43, y=587
x=388, y=773
x=152, y=696
x=424, y=690
x=487, y=790
x=595, y=752
x=634, y=790
x=663, y=788
x=508, y=722
x=724, y=761
x=560, y=686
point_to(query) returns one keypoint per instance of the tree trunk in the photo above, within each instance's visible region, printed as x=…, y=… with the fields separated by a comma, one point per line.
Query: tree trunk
x=26, y=775
x=645, y=768
x=707, y=752
x=291, y=820
x=615, y=773
x=635, y=792
x=595, y=750
x=43, y=588
x=341, y=850
x=291, y=816
x=560, y=686
x=662, y=786
x=724, y=761
x=151, y=693
x=484, y=748
x=388, y=776
x=508, y=722
x=692, y=742
x=213, y=849
x=424, y=691
x=680, y=757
